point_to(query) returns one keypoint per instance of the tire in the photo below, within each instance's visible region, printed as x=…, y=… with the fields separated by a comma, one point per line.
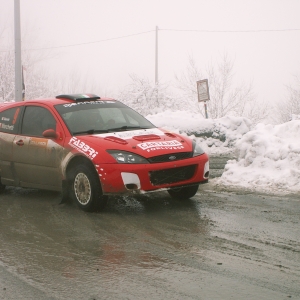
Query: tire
x=86, y=189
x=183, y=193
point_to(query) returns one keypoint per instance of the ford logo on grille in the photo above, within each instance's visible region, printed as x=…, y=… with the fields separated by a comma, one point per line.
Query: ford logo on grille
x=172, y=157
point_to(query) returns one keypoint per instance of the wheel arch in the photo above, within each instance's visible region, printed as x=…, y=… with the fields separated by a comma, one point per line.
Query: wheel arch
x=75, y=189
x=70, y=161
x=77, y=160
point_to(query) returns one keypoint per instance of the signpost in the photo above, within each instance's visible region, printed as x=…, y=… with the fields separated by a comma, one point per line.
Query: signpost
x=203, y=93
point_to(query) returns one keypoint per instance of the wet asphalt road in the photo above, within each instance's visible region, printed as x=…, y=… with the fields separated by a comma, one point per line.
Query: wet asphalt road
x=221, y=244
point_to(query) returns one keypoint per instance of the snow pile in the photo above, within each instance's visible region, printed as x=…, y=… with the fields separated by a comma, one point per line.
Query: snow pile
x=215, y=136
x=295, y=117
x=268, y=158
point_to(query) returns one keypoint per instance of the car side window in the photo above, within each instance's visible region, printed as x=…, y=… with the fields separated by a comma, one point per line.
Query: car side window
x=36, y=120
x=9, y=120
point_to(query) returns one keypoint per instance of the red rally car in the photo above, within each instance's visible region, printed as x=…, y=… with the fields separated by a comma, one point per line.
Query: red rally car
x=89, y=147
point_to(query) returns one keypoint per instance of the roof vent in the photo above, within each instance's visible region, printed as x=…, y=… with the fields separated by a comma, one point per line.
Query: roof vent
x=79, y=97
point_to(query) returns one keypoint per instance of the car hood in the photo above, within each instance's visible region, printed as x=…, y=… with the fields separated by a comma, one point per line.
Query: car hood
x=145, y=142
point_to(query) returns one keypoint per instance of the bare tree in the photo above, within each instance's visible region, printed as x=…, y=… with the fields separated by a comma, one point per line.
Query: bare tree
x=187, y=80
x=186, y=83
x=7, y=84
x=147, y=97
x=291, y=105
x=37, y=81
x=226, y=98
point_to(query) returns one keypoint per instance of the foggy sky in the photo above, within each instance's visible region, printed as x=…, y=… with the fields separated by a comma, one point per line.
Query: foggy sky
x=104, y=50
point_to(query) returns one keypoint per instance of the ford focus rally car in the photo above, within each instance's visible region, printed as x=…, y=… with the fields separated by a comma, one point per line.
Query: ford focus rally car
x=89, y=147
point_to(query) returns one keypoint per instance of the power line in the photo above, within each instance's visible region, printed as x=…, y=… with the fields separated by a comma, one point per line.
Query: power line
x=162, y=29
x=87, y=43
x=230, y=31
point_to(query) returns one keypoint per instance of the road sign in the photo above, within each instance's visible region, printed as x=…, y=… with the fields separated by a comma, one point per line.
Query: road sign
x=203, y=91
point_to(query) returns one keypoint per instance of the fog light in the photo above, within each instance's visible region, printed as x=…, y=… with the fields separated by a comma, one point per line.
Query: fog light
x=206, y=170
x=131, y=186
x=131, y=181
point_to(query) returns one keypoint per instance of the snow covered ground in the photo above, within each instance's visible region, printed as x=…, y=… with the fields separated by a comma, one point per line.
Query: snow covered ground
x=267, y=156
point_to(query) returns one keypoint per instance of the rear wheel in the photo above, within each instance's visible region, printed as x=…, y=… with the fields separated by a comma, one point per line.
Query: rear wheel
x=184, y=192
x=86, y=190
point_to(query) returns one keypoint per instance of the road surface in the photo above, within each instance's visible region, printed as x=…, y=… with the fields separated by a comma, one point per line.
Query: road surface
x=221, y=244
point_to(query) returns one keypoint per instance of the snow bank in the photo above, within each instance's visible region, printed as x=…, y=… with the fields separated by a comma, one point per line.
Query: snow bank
x=268, y=158
x=295, y=117
x=215, y=136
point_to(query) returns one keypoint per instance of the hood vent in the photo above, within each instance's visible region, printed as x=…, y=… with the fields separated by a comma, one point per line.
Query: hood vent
x=116, y=140
x=146, y=137
x=169, y=134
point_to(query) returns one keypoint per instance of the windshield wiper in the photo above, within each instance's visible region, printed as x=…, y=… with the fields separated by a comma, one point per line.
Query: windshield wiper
x=91, y=131
x=126, y=128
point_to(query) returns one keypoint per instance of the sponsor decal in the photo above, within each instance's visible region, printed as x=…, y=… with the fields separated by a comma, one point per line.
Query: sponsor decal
x=5, y=119
x=7, y=127
x=87, y=103
x=82, y=147
x=38, y=142
x=151, y=146
x=129, y=134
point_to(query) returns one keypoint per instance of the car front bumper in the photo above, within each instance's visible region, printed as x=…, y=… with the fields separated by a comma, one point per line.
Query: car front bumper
x=140, y=178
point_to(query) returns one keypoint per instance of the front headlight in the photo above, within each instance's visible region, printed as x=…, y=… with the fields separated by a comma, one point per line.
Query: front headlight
x=197, y=150
x=124, y=157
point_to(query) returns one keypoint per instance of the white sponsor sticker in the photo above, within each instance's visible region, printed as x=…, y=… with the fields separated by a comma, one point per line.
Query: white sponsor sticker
x=126, y=135
x=170, y=145
x=89, y=102
x=82, y=147
x=7, y=127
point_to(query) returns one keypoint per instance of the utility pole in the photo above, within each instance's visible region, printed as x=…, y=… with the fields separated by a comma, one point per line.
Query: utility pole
x=18, y=61
x=156, y=55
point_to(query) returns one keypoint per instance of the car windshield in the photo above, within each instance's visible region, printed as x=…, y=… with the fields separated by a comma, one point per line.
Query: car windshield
x=101, y=116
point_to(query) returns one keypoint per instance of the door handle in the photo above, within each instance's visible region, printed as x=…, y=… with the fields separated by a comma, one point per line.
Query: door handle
x=20, y=143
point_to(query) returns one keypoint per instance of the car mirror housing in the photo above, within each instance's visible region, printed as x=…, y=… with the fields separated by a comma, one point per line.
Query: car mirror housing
x=50, y=133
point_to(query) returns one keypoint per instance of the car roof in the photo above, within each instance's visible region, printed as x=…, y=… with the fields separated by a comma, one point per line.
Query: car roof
x=63, y=99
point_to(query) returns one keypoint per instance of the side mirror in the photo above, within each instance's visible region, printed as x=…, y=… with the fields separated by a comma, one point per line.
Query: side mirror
x=50, y=133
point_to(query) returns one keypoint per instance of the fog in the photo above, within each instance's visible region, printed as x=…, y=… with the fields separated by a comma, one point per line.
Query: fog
x=105, y=41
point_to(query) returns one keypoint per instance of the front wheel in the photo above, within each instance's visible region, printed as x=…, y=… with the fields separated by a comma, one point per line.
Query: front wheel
x=86, y=190
x=184, y=192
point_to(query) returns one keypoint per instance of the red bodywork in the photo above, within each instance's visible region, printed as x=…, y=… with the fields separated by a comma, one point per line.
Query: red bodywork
x=162, y=147
x=166, y=143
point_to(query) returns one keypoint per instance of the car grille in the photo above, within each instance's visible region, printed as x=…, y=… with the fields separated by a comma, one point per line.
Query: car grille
x=172, y=175
x=170, y=157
